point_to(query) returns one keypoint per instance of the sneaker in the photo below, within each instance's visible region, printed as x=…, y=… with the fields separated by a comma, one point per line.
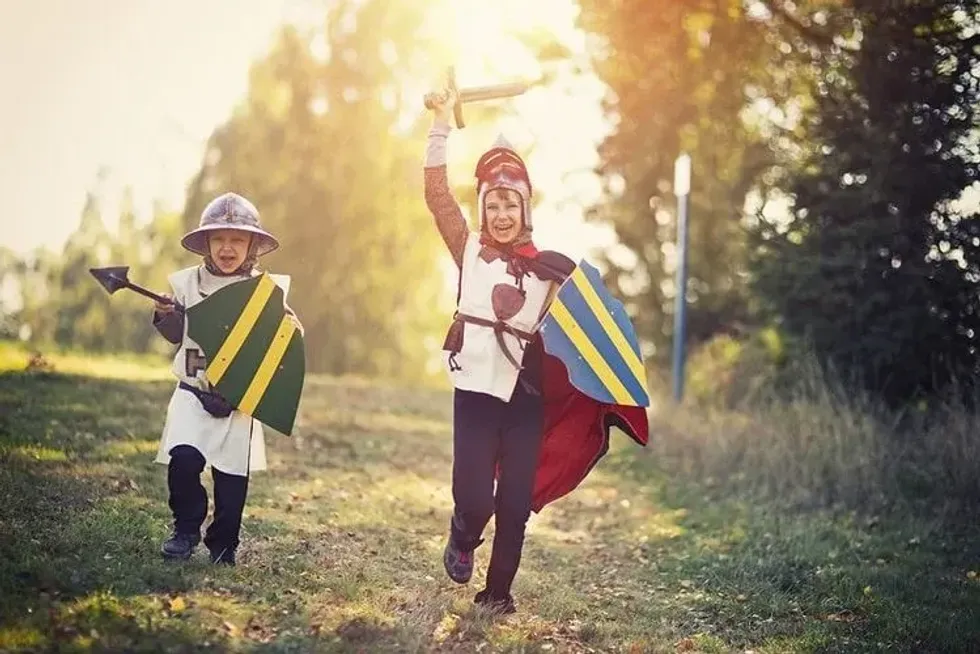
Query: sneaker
x=502, y=605
x=179, y=546
x=458, y=564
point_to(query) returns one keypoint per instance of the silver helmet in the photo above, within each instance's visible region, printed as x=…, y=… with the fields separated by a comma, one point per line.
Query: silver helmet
x=229, y=211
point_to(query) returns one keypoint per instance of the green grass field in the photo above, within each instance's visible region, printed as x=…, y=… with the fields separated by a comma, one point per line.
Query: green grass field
x=342, y=541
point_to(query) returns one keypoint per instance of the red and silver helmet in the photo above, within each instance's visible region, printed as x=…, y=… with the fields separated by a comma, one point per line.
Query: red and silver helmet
x=501, y=167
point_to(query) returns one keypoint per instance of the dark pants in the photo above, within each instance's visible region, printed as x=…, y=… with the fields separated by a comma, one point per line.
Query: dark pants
x=189, y=500
x=488, y=432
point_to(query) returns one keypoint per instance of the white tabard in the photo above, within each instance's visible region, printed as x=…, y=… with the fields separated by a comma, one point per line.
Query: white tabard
x=234, y=445
x=483, y=367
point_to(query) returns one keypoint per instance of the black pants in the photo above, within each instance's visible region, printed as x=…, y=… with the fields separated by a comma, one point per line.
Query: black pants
x=189, y=500
x=488, y=432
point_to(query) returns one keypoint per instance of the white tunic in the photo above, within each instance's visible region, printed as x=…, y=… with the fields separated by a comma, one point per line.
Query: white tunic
x=234, y=445
x=483, y=366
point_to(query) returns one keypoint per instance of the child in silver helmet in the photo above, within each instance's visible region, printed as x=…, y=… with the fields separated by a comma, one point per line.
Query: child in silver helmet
x=201, y=428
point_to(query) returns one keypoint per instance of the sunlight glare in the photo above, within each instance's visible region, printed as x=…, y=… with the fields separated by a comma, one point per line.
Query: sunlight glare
x=555, y=128
x=483, y=39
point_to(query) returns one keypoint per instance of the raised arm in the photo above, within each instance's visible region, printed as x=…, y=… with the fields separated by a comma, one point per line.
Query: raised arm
x=438, y=196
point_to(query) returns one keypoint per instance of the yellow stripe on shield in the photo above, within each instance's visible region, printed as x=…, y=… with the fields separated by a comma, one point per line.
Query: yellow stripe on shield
x=611, y=328
x=236, y=337
x=270, y=362
x=574, y=332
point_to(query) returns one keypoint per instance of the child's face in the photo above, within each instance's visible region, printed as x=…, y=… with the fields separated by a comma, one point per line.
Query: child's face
x=504, y=212
x=228, y=247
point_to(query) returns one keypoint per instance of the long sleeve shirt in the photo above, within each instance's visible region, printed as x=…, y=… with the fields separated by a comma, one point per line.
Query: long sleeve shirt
x=439, y=197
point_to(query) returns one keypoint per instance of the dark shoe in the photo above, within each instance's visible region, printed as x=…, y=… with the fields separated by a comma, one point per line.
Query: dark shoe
x=503, y=605
x=179, y=546
x=458, y=564
x=224, y=556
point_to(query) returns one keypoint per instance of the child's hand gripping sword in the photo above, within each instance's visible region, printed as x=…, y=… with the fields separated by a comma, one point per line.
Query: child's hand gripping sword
x=475, y=94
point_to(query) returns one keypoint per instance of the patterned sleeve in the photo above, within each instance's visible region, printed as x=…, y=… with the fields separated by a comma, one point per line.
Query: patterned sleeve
x=438, y=196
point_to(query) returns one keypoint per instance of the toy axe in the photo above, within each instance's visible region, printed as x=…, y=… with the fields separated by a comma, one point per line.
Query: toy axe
x=114, y=278
x=477, y=94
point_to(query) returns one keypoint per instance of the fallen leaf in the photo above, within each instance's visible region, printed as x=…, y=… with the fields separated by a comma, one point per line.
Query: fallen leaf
x=445, y=627
x=842, y=616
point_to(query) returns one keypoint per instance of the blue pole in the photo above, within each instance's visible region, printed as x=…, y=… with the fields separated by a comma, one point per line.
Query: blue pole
x=682, y=181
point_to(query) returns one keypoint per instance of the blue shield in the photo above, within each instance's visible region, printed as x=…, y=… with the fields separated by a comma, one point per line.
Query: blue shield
x=588, y=330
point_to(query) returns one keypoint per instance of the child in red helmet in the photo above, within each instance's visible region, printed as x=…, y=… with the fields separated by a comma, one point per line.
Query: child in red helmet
x=493, y=357
x=517, y=420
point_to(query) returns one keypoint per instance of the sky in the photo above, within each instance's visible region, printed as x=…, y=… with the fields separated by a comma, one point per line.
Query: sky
x=137, y=86
x=105, y=83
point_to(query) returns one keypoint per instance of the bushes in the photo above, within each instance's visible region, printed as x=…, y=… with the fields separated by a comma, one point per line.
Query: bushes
x=727, y=371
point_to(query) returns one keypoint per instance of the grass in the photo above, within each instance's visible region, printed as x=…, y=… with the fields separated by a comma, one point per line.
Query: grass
x=802, y=440
x=342, y=542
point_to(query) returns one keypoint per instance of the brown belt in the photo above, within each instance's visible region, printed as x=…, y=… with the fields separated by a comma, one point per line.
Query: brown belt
x=499, y=327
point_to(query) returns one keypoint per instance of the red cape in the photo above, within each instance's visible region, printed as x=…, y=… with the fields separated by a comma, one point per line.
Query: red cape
x=576, y=434
x=576, y=427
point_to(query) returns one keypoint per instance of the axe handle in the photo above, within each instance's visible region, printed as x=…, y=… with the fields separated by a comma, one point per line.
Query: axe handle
x=154, y=296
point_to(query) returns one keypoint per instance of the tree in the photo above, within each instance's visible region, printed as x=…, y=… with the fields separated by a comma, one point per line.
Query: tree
x=680, y=79
x=60, y=303
x=11, y=271
x=874, y=269
x=320, y=146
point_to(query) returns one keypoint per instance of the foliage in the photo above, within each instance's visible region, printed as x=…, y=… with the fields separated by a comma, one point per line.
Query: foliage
x=321, y=146
x=679, y=79
x=328, y=146
x=61, y=303
x=731, y=369
x=875, y=267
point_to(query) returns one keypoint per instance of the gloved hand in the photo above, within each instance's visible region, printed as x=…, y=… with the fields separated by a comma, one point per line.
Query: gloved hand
x=216, y=405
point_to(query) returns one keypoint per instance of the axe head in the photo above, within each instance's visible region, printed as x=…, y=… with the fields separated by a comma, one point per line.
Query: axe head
x=112, y=278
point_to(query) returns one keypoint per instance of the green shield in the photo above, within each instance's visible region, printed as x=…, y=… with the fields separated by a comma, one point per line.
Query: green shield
x=255, y=355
